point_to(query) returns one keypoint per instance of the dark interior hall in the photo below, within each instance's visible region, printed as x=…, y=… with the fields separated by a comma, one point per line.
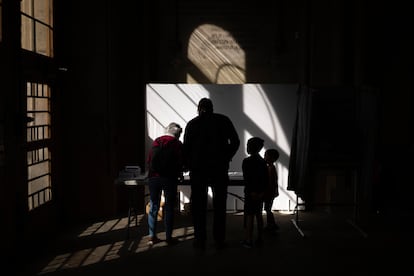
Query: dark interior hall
x=73, y=81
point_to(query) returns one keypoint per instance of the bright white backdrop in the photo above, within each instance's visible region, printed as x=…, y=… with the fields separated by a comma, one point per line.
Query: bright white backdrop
x=264, y=110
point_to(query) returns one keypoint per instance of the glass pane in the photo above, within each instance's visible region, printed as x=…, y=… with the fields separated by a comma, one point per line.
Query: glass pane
x=39, y=191
x=42, y=11
x=39, y=177
x=38, y=170
x=43, y=40
x=38, y=109
x=26, y=6
x=27, y=33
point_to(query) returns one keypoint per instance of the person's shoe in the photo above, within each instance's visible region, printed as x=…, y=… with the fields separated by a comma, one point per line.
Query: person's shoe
x=153, y=240
x=246, y=244
x=171, y=241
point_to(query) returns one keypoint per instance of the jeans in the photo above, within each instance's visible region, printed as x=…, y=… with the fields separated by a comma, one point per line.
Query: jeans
x=156, y=185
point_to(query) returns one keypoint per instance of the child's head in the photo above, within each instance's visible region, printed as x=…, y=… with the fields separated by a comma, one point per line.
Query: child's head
x=271, y=155
x=254, y=145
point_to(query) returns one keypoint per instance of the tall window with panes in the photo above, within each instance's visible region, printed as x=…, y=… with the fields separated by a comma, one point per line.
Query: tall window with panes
x=37, y=37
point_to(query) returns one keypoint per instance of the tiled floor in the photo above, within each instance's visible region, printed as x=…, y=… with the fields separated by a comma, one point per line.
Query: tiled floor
x=331, y=244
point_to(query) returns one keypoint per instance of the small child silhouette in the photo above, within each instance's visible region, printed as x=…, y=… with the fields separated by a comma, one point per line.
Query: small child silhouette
x=255, y=177
x=272, y=188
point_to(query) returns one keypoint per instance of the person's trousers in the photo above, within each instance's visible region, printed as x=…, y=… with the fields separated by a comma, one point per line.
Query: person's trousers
x=199, y=199
x=156, y=185
x=270, y=219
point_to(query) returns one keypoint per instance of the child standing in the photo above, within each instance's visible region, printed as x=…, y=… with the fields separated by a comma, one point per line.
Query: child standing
x=272, y=188
x=255, y=177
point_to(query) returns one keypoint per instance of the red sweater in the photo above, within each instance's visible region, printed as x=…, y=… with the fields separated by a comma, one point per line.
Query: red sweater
x=178, y=149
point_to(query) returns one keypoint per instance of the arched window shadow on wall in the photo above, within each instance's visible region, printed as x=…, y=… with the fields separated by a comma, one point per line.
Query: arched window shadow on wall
x=214, y=56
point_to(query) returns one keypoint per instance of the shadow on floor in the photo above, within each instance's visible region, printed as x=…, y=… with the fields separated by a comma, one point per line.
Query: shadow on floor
x=321, y=244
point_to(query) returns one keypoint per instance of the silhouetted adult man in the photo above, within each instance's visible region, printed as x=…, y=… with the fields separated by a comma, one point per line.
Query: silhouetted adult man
x=210, y=142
